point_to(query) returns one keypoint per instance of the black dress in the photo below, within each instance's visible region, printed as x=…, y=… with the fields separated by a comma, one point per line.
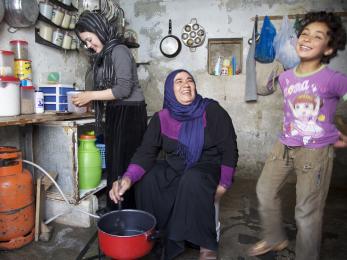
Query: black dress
x=182, y=200
x=126, y=120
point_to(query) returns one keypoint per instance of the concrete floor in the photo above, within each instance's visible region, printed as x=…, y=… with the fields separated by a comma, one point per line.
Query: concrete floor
x=240, y=228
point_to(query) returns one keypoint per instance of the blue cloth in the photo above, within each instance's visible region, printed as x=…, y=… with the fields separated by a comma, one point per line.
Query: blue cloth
x=191, y=135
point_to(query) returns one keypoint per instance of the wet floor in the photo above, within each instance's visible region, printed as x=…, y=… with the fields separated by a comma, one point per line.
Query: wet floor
x=240, y=228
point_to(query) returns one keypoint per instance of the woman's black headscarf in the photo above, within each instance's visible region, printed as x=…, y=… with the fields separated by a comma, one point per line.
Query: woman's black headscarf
x=98, y=24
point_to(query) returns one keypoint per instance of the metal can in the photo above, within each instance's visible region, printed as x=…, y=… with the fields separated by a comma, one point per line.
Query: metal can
x=39, y=103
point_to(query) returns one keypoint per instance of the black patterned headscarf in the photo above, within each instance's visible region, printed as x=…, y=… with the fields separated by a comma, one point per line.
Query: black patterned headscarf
x=96, y=23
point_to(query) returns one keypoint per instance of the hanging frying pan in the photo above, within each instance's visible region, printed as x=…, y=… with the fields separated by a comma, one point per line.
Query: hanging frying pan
x=170, y=45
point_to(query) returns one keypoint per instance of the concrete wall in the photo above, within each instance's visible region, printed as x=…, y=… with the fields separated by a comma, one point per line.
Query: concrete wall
x=257, y=124
x=46, y=59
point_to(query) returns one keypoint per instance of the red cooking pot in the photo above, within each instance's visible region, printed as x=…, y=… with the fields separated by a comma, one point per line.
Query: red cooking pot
x=126, y=234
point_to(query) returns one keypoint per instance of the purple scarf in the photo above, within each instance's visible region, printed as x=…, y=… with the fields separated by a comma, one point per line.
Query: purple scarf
x=191, y=135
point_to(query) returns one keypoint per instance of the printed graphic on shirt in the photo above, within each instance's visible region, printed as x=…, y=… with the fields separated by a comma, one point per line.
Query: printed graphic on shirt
x=304, y=109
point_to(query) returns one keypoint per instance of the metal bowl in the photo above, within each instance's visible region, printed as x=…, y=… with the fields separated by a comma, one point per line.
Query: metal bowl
x=21, y=13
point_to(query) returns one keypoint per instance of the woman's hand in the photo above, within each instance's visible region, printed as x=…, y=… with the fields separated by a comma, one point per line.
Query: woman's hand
x=219, y=193
x=119, y=188
x=82, y=99
x=342, y=142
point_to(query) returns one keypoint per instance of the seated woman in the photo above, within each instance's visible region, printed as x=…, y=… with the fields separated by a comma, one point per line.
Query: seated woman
x=199, y=141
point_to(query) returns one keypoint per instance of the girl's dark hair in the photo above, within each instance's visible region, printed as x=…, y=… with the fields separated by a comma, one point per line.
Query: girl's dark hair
x=336, y=31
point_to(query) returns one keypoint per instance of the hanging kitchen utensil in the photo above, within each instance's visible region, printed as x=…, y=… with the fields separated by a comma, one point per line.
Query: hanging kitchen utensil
x=193, y=34
x=21, y=13
x=257, y=34
x=170, y=45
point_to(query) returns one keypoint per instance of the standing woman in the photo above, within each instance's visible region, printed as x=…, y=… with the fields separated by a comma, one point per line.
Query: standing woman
x=116, y=85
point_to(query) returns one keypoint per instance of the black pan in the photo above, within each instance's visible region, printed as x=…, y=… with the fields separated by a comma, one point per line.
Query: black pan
x=170, y=45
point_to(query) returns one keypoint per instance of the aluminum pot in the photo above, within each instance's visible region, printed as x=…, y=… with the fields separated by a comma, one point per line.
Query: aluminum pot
x=2, y=10
x=127, y=234
x=21, y=13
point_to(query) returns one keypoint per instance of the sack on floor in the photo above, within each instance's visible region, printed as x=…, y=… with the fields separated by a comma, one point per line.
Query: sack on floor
x=264, y=50
x=284, y=44
x=267, y=77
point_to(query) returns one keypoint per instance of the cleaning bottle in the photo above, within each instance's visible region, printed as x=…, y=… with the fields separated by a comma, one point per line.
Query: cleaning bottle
x=217, y=67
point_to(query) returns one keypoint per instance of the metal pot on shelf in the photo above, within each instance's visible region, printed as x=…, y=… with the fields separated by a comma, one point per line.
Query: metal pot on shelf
x=21, y=13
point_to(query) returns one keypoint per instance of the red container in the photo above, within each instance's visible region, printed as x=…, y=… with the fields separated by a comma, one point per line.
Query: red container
x=126, y=234
x=6, y=63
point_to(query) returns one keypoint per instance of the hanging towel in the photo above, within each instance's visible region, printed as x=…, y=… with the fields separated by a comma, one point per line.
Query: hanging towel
x=251, y=83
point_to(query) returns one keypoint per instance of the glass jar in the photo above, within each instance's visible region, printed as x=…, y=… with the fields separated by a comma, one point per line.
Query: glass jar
x=66, y=20
x=6, y=63
x=74, y=43
x=66, y=2
x=46, y=9
x=27, y=97
x=74, y=3
x=58, y=37
x=57, y=16
x=67, y=41
x=20, y=49
x=46, y=32
x=73, y=21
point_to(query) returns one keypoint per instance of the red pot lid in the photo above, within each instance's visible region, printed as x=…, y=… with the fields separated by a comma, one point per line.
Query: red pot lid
x=9, y=79
x=7, y=52
x=18, y=41
x=87, y=137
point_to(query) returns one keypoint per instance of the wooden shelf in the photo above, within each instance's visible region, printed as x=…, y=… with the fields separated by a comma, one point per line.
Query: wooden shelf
x=41, y=118
x=138, y=64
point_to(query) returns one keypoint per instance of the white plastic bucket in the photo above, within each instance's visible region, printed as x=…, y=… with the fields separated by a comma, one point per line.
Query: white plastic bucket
x=9, y=96
x=71, y=107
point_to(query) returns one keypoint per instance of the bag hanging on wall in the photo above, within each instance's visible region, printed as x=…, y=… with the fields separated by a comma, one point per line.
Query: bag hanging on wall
x=264, y=50
x=284, y=44
x=267, y=77
x=251, y=85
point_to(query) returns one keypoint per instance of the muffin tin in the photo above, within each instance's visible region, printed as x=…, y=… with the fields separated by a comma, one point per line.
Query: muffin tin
x=193, y=34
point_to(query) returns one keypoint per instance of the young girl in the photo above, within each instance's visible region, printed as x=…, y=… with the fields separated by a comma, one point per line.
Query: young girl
x=311, y=92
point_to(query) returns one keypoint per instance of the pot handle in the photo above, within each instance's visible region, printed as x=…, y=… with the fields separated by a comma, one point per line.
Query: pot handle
x=156, y=235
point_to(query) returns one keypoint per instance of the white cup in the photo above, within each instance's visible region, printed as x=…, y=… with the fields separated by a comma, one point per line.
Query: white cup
x=71, y=107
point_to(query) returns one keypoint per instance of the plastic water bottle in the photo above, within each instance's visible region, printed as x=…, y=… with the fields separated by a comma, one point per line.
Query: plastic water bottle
x=89, y=163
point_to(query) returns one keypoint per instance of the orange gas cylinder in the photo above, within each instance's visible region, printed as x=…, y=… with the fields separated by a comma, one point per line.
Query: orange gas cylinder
x=17, y=209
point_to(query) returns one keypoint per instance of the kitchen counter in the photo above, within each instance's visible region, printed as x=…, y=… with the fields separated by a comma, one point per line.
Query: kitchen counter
x=40, y=118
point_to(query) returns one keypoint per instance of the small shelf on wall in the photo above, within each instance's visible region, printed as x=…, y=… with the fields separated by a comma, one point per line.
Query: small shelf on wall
x=66, y=7
x=131, y=45
x=46, y=20
x=138, y=64
x=40, y=40
x=225, y=48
